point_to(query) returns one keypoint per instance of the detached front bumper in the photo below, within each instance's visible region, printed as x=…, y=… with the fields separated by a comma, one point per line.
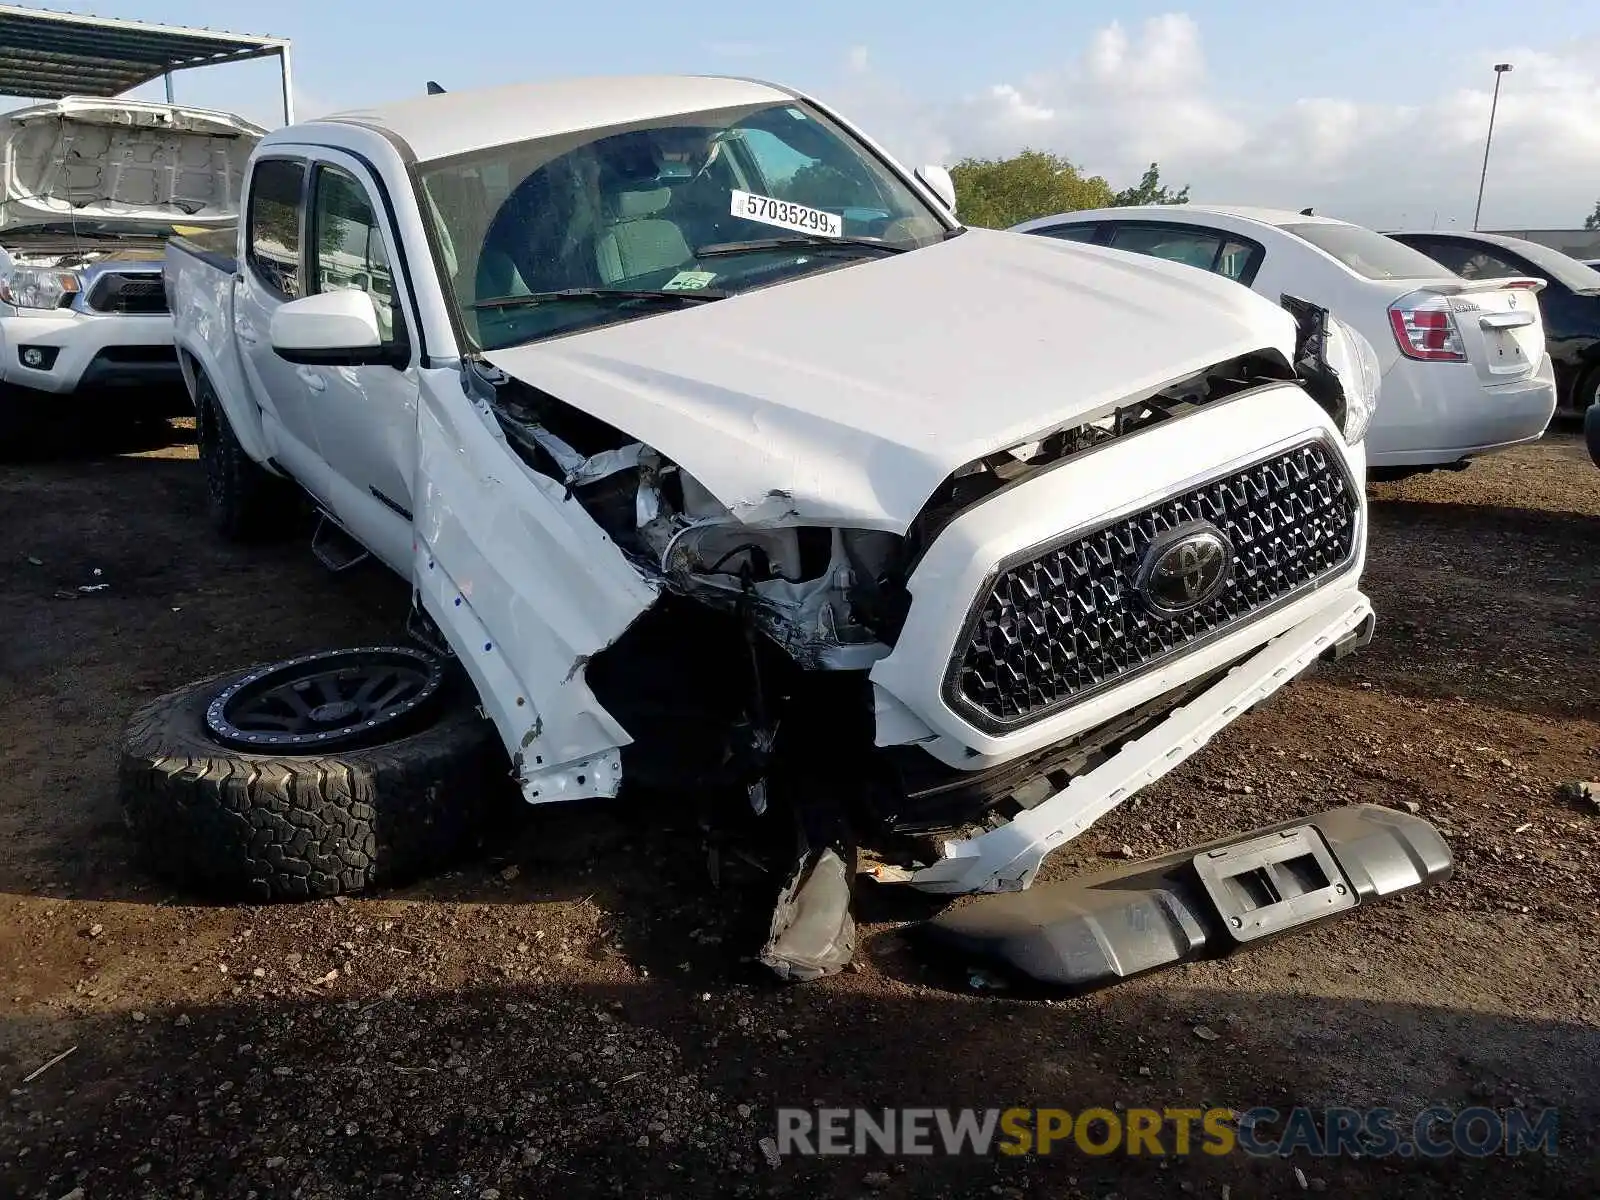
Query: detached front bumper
x=1008, y=858
x=1202, y=902
x=1591, y=431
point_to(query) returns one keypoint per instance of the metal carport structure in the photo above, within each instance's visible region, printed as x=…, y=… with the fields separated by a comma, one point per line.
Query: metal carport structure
x=47, y=55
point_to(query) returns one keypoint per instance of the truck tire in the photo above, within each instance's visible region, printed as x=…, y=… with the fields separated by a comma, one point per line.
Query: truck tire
x=380, y=806
x=248, y=503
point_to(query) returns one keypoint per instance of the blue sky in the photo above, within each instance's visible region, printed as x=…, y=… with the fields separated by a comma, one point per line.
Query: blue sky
x=1366, y=107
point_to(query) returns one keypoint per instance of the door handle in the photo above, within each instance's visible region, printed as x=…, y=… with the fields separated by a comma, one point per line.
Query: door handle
x=311, y=379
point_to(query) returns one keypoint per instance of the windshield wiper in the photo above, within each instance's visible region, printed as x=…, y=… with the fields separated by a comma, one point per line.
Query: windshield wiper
x=808, y=241
x=534, y=299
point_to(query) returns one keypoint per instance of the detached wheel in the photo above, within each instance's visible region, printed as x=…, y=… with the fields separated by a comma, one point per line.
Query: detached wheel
x=312, y=778
x=248, y=502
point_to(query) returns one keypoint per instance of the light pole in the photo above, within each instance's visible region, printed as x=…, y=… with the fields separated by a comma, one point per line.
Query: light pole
x=1499, y=70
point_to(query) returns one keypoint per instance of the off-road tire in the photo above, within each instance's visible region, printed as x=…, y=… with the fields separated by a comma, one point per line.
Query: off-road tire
x=241, y=826
x=247, y=502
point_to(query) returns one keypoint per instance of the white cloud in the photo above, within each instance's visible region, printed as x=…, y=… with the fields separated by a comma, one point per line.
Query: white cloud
x=1133, y=96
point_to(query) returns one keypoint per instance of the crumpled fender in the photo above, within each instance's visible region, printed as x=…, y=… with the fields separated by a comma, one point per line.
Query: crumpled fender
x=526, y=588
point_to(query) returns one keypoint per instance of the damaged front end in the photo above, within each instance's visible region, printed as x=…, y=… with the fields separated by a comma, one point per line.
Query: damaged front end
x=821, y=594
x=744, y=665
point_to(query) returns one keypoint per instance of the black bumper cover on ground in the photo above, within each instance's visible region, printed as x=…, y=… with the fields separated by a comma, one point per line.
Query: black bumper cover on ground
x=1591, y=431
x=1202, y=902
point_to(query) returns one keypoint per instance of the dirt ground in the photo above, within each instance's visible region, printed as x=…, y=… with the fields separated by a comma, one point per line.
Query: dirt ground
x=576, y=1013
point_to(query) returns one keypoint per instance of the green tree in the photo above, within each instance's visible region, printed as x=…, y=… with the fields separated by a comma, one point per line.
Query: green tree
x=1592, y=221
x=824, y=185
x=996, y=193
x=1149, y=190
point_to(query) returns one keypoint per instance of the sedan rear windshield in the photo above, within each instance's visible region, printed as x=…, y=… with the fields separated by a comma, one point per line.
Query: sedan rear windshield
x=1367, y=253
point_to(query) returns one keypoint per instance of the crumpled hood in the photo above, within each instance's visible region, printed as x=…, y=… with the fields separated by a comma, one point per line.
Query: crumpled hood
x=128, y=160
x=847, y=397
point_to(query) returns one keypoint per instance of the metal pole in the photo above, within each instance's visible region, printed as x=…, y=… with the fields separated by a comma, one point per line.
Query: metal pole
x=288, y=86
x=1499, y=70
x=168, y=78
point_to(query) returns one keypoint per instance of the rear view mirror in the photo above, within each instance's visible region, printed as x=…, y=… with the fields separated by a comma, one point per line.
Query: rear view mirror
x=937, y=180
x=330, y=329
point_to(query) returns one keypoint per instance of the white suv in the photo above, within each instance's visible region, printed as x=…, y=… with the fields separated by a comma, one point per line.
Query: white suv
x=1463, y=362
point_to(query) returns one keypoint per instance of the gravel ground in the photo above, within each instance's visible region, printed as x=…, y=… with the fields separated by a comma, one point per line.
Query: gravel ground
x=576, y=1011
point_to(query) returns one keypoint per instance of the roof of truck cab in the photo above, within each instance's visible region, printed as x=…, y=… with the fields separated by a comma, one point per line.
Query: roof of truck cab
x=451, y=123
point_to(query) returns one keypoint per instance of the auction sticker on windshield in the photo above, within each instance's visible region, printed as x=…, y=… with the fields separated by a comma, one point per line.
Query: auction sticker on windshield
x=688, y=281
x=786, y=214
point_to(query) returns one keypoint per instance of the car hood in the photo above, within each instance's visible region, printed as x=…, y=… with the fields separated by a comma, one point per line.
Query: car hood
x=123, y=160
x=847, y=397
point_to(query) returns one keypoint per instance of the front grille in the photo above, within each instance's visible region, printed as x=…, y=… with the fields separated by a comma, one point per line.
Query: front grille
x=1068, y=620
x=138, y=294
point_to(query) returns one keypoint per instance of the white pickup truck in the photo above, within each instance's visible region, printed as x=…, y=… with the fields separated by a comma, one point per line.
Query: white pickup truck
x=90, y=189
x=720, y=457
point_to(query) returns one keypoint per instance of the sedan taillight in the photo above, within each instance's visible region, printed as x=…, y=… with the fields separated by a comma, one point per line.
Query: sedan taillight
x=1425, y=329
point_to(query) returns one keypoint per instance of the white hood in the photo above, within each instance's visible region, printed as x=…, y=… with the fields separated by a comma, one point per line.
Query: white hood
x=847, y=397
x=122, y=160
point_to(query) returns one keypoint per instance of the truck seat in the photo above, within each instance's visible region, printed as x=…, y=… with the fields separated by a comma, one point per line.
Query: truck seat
x=638, y=242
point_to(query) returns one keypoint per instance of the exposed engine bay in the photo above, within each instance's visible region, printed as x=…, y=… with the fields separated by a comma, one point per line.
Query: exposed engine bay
x=68, y=252
x=832, y=599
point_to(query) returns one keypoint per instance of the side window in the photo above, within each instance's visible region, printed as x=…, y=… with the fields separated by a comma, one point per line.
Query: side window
x=1238, y=261
x=347, y=248
x=1194, y=247
x=273, y=249
x=1068, y=233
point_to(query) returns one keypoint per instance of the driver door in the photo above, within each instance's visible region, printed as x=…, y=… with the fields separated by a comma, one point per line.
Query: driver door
x=364, y=418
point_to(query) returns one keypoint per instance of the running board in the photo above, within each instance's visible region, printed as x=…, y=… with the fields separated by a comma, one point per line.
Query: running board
x=334, y=548
x=1203, y=902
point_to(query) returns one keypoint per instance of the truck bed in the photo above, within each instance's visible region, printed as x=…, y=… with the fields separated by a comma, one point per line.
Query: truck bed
x=200, y=270
x=218, y=247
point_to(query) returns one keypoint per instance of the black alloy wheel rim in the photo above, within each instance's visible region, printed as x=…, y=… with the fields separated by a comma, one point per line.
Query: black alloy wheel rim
x=327, y=701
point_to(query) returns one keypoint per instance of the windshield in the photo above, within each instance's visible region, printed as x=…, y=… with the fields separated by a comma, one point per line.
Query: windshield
x=1367, y=252
x=707, y=203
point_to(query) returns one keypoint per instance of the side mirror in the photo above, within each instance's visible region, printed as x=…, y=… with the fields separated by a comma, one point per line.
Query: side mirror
x=330, y=329
x=937, y=180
